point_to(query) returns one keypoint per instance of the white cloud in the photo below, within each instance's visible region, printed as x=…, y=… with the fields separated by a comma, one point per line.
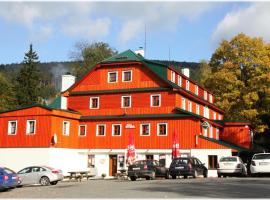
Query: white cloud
x=252, y=20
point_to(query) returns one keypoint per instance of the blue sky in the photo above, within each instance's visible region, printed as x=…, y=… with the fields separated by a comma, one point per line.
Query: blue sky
x=191, y=30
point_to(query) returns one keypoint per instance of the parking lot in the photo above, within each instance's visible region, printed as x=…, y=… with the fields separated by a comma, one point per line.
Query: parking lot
x=160, y=188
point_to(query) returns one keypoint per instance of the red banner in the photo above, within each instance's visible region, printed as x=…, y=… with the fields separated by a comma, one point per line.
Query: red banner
x=130, y=150
x=175, y=146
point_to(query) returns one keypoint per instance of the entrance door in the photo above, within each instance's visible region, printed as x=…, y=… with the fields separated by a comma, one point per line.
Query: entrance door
x=113, y=165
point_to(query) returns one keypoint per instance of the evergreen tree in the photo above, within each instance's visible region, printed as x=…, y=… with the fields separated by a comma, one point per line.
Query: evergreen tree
x=7, y=100
x=240, y=79
x=27, y=85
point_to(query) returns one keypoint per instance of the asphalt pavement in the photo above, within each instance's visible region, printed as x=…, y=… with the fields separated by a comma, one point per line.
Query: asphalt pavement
x=258, y=187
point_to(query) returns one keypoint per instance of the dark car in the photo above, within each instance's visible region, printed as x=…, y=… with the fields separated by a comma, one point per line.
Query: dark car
x=148, y=169
x=8, y=179
x=187, y=166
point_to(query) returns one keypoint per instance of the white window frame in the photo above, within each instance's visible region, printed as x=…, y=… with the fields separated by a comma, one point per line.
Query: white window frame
x=97, y=128
x=210, y=98
x=197, y=90
x=197, y=109
x=108, y=78
x=217, y=133
x=205, y=95
x=214, y=116
x=151, y=100
x=91, y=101
x=141, y=129
x=79, y=131
x=113, y=130
x=173, y=76
x=122, y=102
x=187, y=85
x=9, y=127
x=211, y=131
x=28, y=126
x=183, y=103
x=123, y=77
x=219, y=117
x=189, y=106
x=179, y=80
x=68, y=128
x=205, y=132
x=206, y=112
x=158, y=124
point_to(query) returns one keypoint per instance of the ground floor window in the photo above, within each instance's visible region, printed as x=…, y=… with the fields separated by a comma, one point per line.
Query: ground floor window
x=82, y=130
x=149, y=157
x=212, y=162
x=91, y=160
x=162, y=160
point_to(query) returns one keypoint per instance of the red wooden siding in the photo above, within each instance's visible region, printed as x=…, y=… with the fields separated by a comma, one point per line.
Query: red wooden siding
x=110, y=104
x=98, y=79
x=237, y=134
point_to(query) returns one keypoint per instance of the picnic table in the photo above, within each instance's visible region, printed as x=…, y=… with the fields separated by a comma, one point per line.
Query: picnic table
x=122, y=174
x=79, y=175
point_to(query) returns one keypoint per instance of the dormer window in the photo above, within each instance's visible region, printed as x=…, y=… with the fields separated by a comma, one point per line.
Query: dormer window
x=187, y=85
x=112, y=77
x=127, y=76
x=179, y=80
x=173, y=76
x=189, y=106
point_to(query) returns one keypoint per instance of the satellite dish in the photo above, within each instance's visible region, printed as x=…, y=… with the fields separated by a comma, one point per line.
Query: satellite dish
x=54, y=139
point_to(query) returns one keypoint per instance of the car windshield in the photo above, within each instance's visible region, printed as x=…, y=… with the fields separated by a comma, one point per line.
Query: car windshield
x=228, y=159
x=261, y=156
x=181, y=161
x=9, y=171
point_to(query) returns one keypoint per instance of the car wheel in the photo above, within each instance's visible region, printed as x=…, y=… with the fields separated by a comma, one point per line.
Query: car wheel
x=44, y=180
x=167, y=176
x=153, y=176
x=205, y=174
x=147, y=178
x=173, y=177
x=185, y=177
x=195, y=175
x=54, y=182
x=219, y=175
x=133, y=178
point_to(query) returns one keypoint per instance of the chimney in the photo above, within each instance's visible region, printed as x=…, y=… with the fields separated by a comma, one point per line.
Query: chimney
x=185, y=71
x=140, y=51
x=67, y=81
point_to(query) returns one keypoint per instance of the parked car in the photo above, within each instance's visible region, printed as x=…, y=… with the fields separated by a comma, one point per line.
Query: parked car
x=40, y=175
x=8, y=178
x=260, y=164
x=148, y=169
x=231, y=166
x=187, y=166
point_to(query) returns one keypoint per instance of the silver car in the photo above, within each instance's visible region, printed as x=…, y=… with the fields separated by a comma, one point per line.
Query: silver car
x=40, y=175
x=231, y=166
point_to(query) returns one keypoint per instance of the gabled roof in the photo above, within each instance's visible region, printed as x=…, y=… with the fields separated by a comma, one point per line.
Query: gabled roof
x=123, y=57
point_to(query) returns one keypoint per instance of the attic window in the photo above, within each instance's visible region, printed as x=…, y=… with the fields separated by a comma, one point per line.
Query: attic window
x=12, y=127
x=112, y=77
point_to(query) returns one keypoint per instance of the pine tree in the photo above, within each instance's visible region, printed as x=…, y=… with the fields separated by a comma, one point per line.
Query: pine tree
x=27, y=85
x=7, y=100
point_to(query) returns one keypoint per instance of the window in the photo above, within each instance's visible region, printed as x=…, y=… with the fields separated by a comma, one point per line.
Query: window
x=217, y=133
x=145, y=129
x=205, y=95
x=183, y=103
x=127, y=76
x=219, y=117
x=91, y=161
x=94, y=102
x=197, y=109
x=196, y=90
x=215, y=116
x=210, y=98
x=179, y=80
x=66, y=126
x=100, y=130
x=82, y=130
x=112, y=77
x=116, y=129
x=189, y=106
x=206, y=112
x=187, y=85
x=211, y=131
x=212, y=162
x=155, y=100
x=126, y=102
x=162, y=129
x=173, y=76
x=30, y=127
x=12, y=127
